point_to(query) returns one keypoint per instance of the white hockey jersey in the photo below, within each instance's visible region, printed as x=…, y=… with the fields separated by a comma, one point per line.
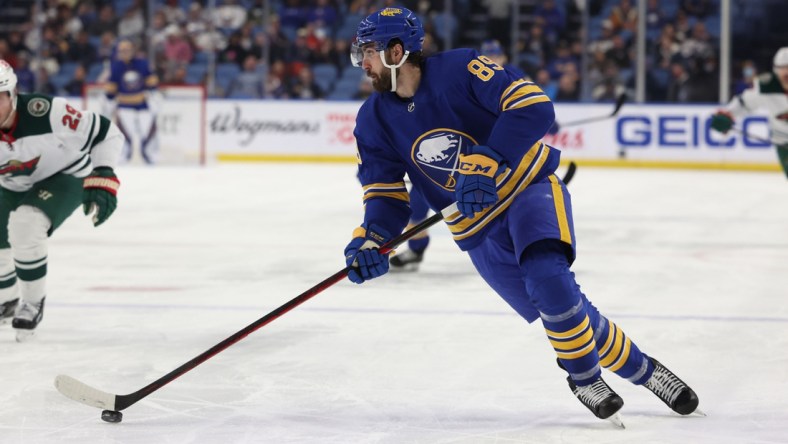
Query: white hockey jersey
x=49, y=136
x=768, y=95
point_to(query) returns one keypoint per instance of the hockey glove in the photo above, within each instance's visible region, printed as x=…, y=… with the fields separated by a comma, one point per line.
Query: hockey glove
x=475, y=189
x=363, y=254
x=99, y=194
x=722, y=121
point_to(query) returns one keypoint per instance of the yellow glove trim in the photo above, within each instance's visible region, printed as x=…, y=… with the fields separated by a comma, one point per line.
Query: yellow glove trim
x=477, y=164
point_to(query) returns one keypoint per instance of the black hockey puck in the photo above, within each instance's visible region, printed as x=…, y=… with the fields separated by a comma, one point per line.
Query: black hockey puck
x=111, y=416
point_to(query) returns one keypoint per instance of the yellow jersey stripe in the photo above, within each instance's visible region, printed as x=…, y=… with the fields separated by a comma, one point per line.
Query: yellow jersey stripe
x=609, y=341
x=509, y=89
x=520, y=93
x=384, y=186
x=403, y=196
x=560, y=210
x=528, y=102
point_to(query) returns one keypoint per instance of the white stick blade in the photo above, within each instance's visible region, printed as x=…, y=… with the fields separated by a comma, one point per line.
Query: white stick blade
x=83, y=393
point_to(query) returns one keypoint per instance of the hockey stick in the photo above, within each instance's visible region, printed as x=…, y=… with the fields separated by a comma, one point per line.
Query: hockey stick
x=750, y=136
x=619, y=103
x=570, y=172
x=85, y=394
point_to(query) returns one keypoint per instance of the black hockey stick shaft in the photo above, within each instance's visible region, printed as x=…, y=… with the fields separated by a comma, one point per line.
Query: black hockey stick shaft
x=619, y=103
x=124, y=401
x=570, y=172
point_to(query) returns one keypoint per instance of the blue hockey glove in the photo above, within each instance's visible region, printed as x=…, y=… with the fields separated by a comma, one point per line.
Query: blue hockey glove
x=363, y=254
x=722, y=121
x=475, y=189
x=99, y=193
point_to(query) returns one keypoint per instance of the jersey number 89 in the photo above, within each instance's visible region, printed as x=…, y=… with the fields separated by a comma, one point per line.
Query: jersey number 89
x=483, y=68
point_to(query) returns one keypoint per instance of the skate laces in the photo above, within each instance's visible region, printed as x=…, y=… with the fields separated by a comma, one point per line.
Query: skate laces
x=665, y=384
x=28, y=311
x=594, y=393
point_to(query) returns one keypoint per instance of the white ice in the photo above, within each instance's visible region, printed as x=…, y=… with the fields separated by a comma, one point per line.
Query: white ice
x=692, y=264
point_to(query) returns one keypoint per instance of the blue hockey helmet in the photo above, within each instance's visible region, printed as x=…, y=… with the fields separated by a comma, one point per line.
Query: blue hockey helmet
x=386, y=25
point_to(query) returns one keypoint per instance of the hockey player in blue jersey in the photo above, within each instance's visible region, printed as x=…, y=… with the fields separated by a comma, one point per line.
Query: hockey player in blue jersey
x=132, y=92
x=466, y=130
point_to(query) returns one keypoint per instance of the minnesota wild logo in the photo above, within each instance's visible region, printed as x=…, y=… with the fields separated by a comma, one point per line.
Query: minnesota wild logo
x=37, y=107
x=17, y=168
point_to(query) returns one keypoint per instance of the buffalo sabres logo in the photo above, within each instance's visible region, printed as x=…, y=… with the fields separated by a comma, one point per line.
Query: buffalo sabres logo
x=436, y=153
x=132, y=80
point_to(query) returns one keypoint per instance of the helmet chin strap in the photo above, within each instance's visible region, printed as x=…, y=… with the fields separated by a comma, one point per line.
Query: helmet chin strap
x=393, y=68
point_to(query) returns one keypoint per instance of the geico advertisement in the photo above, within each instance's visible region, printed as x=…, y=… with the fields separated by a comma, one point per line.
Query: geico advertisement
x=637, y=132
x=659, y=132
x=281, y=127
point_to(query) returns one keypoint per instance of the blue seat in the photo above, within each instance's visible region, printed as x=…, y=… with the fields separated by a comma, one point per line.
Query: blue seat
x=94, y=71
x=68, y=68
x=325, y=74
x=227, y=70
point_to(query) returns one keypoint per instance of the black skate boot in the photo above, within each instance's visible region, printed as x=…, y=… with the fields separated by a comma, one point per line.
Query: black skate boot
x=408, y=260
x=672, y=390
x=603, y=402
x=28, y=316
x=7, y=310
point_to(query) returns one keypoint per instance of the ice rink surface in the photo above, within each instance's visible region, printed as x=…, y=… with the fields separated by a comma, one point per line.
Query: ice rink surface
x=693, y=265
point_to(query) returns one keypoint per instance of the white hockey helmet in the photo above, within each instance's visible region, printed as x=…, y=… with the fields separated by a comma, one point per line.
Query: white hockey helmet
x=781, y=58
x=8, y=80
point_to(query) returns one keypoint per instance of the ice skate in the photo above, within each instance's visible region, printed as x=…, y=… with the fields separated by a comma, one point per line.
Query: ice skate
x=672, y=390
x=603, y=402
x=27, y=318
x=7, y=310
x=407, y=261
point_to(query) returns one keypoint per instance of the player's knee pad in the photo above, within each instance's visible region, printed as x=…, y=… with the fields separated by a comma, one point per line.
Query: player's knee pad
x=27, y=233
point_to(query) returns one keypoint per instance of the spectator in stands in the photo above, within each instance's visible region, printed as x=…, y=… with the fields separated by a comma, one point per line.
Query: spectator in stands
x=276, y=81
x=682, y=26
x=699, y=44
x=173, y=12
x=45, y=62
x=547, y=84
x=304, y=86
x=77, y=83
x=324, y=15
x=697, y=8
x=568, y=90
x=132, y=24
x=234, y=52
x=229, y=16
x=553, y=19
x=106, y=21
x=292, y=15
x=620, y=53
x=655, y=16
x=106, y=47
x=624, y=17
x=69, y=24
x=25, y=79
x=666, y=47
x=81, y=50
x=249, y=82
x=563, y=62
x=6, y=54
x=499, y=20
x=365, y=89
x=279, y=45
x=204, y=37
x=178, y=77
x=16, y=44
x=86, y=12
x=678, y=90
x=748, y=75
x=43, y=85
x=177, y=51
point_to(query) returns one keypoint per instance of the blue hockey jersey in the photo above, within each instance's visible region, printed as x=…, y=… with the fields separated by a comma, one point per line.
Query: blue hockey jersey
x=128, y=83
x=463, y=100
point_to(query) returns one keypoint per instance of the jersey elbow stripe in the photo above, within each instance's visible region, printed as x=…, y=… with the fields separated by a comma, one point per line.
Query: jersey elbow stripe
x=528, y=101
x=526, y=90
x=514, y=87
x=403, y=196
x=560, y=210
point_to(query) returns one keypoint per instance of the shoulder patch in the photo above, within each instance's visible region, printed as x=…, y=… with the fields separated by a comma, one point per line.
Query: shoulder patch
x=765, y=77
x=38, y=107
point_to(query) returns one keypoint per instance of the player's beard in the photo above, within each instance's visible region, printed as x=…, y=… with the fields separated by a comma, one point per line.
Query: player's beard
x=382, y=82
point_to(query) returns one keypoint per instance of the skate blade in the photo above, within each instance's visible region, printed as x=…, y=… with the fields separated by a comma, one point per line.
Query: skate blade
x=616, y=420
x=24, y=335
x=698, y=412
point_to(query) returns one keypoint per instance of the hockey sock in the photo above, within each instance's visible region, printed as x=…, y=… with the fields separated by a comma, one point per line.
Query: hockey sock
x=419, y=242
x=617, y=352
x=552, y=289
x=7, y=276
x=27, y=234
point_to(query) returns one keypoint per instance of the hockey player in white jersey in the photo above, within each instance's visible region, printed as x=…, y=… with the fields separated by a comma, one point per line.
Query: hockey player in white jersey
x=769, y=93
x=53, y=158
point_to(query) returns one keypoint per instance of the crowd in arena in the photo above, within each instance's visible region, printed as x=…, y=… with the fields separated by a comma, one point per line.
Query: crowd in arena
x=298, y=49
